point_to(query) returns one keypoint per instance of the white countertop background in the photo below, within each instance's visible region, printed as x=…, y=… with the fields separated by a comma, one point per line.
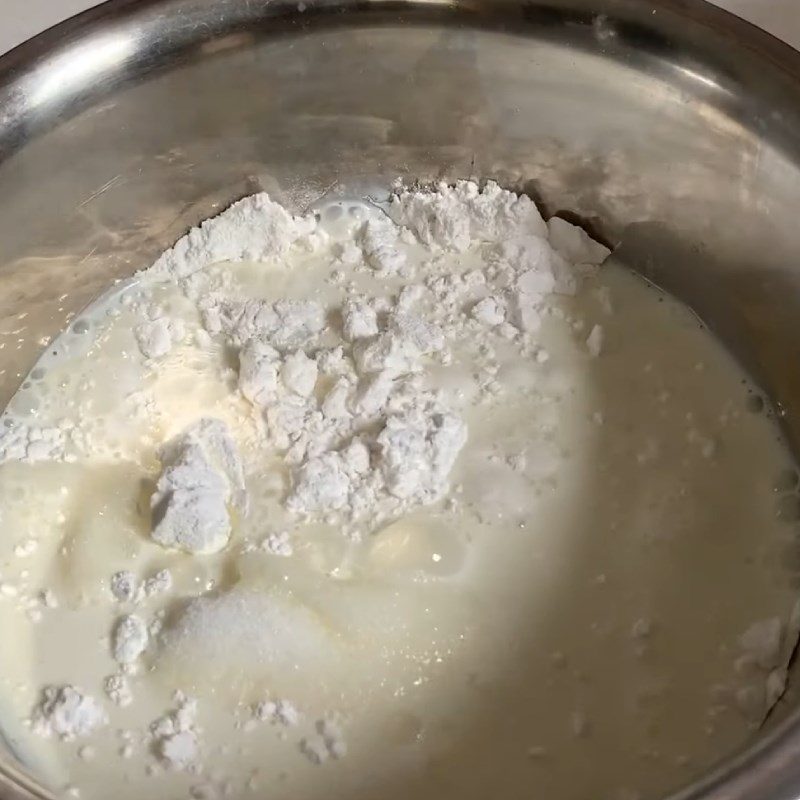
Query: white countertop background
x=21, y=19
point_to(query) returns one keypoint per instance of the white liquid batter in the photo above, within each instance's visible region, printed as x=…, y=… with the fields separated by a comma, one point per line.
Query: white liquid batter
x=566, y=623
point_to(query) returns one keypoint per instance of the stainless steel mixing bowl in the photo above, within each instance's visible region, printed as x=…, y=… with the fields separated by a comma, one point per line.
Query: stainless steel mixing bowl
x=671, y=127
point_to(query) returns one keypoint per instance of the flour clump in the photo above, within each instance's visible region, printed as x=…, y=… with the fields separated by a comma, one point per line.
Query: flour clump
x=299, y=373
x=255, y=228
x=123, y=586
x=574, y=244
x=66, y=712
x=118, y=690
x=380, y=246
x=399, y=348
x=202, y=481
x=418, y=448
x=453, y=217
x=321, y=484
x=175, y=735
x=29, y=443
x=284, y=324
x=157, y=337
x=277, y=712
x=359, y=320
x=130, y=639
x=490, y=311
x=259, y=367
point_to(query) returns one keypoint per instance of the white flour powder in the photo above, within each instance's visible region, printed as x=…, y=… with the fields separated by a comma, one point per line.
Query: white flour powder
x=66, y=712
x=375, y=442
x=28, y=443
x=277, y=712
x=130, y=639
x=156, y=337
x=118, y=690
x=175, y=735
x=202, y=478
x=254, y=229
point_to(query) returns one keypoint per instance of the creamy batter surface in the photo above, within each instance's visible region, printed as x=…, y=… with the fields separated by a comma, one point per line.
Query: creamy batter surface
x=432, y=500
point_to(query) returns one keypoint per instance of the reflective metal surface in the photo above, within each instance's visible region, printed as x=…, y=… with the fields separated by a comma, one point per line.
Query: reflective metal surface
x=670, y=127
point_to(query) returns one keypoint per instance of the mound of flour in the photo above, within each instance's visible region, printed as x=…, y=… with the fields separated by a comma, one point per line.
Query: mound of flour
x=344, y=389
x=254, y=229
x=175, y=735
x=202, y=479
x=66, y=712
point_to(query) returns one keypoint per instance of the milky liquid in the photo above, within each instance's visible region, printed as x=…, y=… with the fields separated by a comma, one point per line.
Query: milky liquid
x=568, y=627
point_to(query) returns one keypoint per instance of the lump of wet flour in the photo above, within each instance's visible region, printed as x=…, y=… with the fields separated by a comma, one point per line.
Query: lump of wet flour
x=417, y=449
x=66, y=712
x=157, y=337
x=129, y=639
x=201, y=481
x=175, y=736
